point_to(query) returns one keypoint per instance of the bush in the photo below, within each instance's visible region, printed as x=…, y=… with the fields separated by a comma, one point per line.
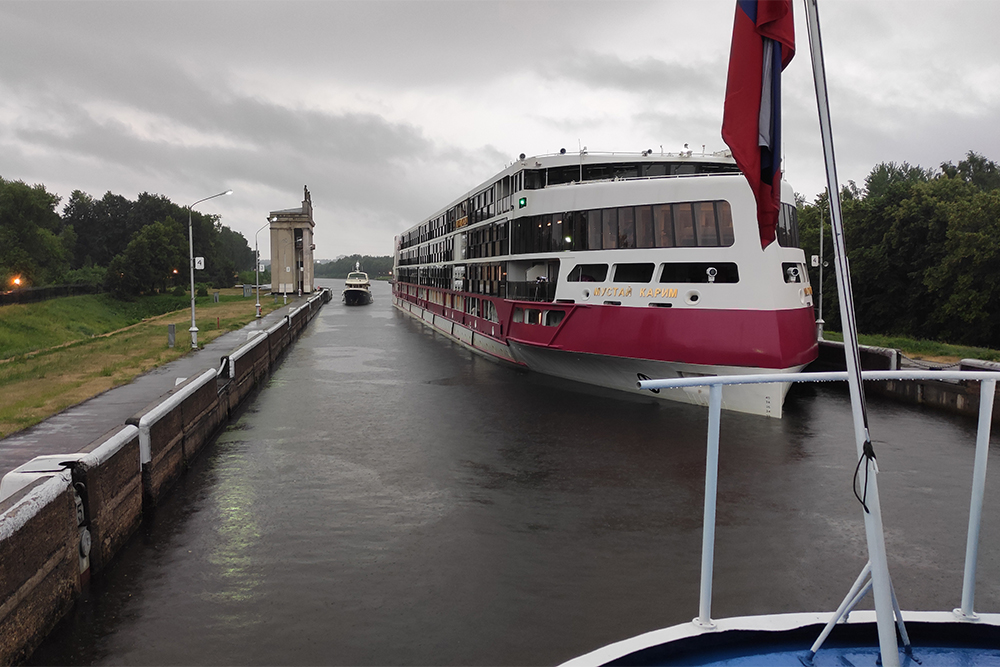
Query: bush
x=178, y=291
x=88, y=275
x=202, y=289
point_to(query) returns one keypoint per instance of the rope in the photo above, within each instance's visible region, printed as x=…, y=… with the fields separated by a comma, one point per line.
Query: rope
x=867, y=455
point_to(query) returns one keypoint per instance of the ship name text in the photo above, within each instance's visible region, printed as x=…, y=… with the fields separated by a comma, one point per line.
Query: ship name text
x=664, y=292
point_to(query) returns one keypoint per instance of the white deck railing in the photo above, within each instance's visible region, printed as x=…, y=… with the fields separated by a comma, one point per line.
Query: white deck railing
x=988, y=382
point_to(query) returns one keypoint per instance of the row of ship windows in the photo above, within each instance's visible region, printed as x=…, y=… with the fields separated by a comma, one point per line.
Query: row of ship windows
x=489, y=202
x=539, y=178
x=684, y=225
x=674, y=272
x=497, y=198
x=642, y=272
x=491, y=278
x=681, y=225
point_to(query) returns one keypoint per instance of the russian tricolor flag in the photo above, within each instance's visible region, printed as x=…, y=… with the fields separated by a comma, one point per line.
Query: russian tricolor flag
x=763, y=45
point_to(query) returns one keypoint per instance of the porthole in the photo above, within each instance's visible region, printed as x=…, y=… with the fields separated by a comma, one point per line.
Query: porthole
x=693, y=297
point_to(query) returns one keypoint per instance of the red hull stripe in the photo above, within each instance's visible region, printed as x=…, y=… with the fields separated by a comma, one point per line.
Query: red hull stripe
x=757, y=339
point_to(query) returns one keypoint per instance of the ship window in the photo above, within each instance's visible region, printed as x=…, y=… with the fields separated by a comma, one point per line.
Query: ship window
x=626, y=227
x=708, y=233
x=644, y=227
x=625, y=170
x=788, y=226
x=655, y=169
x=700, y=272
x=518, y=315
x=725, y=216
x=533, y=316
x=560, y=175
x=596, y=172
x=663, y=225
x=609, y=217
x=588, y=273
x=558, y=235
x=553, y=317
x=684, y=225
x=593, y=230
x=634, y=273
x=534, y=179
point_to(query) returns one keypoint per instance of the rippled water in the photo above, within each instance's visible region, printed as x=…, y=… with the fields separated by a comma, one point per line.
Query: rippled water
x=389, y=498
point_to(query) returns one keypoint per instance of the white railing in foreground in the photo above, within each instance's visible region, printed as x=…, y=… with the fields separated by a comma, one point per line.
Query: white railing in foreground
x=988, y=382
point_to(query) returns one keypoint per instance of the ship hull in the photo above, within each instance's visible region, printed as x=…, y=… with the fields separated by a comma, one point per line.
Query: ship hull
x=357, y=297
x=609, y=370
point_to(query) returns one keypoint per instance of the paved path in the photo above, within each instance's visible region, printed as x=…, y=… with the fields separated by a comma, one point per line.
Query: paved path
x=78, y=426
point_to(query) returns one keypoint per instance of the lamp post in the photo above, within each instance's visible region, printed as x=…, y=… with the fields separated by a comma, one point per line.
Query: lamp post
x=256, y=250
x=194, y=328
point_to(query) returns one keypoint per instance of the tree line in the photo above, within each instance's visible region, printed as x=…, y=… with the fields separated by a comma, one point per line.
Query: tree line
x=375, y=267
x=128, y=247
x=923, y=249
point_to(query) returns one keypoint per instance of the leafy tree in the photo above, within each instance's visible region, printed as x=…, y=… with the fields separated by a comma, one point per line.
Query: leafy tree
x=975, y=169
x=153, y=261
x=919, y=245
x=967, y=279
x=339, y=268
x=32, y=238
x=234, y=247
x=250, y=277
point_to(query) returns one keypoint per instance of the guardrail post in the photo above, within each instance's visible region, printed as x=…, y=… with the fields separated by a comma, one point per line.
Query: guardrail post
x=711, y=493
x=986, y=393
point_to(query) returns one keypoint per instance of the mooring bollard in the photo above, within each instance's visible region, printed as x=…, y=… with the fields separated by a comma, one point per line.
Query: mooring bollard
x=171, y=334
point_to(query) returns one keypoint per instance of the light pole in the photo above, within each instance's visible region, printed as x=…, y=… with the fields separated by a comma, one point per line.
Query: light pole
x=256, y=250
x=194, y=328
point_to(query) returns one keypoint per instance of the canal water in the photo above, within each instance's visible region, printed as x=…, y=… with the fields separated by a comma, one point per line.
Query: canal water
x=391, y=499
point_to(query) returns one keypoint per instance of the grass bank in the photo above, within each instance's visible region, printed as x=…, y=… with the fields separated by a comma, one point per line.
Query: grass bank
x=927, y=350
x=64, y=367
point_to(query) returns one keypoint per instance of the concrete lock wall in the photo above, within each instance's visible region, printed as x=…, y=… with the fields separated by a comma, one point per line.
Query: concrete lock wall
x=958, y=396
x=247, y=365
x=111, y=482
x=277, y=340
x=200, y=414
x=68, y=515
x=162, y=428
x=39, y=566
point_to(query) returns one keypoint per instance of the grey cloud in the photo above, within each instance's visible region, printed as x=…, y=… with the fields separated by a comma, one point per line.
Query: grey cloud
x=648, y=76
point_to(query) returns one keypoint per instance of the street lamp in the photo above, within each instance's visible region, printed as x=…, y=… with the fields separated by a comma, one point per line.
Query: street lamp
x=194, y=328
x=256, y=249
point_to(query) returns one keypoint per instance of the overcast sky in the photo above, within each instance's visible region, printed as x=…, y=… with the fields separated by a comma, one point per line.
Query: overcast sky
x=389, y=110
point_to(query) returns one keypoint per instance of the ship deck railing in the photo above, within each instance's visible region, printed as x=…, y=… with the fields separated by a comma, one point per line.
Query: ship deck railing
x=987, y=380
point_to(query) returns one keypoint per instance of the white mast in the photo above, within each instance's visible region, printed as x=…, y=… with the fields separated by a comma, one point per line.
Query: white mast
x=868, y=476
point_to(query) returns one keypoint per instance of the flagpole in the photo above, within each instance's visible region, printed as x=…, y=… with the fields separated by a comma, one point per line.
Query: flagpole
x=881, y=584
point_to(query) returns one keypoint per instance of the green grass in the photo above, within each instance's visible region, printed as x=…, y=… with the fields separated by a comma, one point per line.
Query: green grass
x=53, y=377
x=26, y=328
x=921, y=349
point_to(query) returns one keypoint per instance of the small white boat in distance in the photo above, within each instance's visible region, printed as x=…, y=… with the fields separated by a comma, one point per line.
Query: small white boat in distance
x=357, y=289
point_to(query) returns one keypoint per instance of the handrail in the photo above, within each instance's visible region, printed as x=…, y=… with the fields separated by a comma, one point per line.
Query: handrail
x=988, y=380
x=828, y=376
